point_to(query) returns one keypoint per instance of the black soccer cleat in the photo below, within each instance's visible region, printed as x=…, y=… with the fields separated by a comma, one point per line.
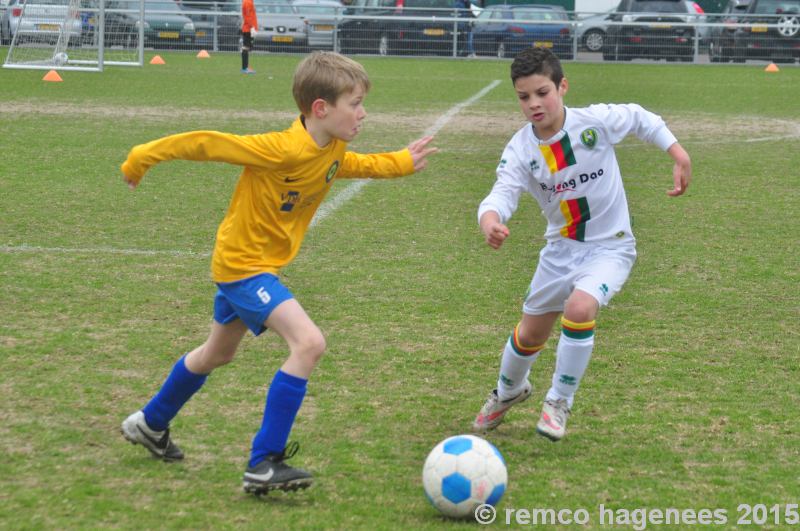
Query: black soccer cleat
x=273, y=474
x=136, y=430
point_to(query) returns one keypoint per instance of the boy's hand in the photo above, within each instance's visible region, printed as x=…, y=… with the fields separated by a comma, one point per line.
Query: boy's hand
x=419, y=151
x=130, y=182
x=681, y=171
x=494, y=231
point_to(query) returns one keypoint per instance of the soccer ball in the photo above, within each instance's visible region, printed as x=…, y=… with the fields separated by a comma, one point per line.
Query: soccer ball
x=60, y=58
x=462, y=473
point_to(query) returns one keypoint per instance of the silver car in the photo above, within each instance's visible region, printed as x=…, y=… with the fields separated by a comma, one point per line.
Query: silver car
x=591, y=31
x=45, y=20
x=320, y=17
x=280, y=26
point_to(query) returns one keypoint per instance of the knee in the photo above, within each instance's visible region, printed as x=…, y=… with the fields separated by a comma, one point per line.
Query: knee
x=311, y=347
x=580, y=314
x=581, y=309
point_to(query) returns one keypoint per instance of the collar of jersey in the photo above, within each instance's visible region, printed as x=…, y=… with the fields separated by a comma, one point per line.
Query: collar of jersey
x=553, y=139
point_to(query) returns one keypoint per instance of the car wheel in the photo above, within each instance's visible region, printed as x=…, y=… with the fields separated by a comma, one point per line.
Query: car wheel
x=383, y=45
x=593, y=40
x=789, y=25
x=500, y=51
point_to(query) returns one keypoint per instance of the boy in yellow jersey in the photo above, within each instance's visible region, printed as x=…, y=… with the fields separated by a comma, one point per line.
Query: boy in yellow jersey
x=285, y=177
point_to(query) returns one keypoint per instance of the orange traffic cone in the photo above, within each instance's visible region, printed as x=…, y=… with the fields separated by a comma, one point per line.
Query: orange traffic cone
x=772, y=67
x=202, y=54
x=157, y=60
x=52, y=75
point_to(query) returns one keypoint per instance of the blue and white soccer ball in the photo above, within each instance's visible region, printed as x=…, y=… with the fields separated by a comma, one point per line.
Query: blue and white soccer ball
x=462, y=473
x=60, y=59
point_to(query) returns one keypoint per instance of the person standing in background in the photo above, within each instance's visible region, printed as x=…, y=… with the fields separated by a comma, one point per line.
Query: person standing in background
x=249, y=29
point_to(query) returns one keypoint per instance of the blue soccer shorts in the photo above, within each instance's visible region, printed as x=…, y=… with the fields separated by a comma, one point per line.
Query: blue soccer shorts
x=251, y=299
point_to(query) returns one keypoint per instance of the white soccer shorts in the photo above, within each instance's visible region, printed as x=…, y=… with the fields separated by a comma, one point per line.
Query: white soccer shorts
x=565, y=265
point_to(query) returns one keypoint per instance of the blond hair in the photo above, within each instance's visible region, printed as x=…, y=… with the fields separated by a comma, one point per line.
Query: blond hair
x=326, y=75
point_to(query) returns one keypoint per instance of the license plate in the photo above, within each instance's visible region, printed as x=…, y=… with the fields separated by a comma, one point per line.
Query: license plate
x=661, y=26
x=759, y=29
x=200, y=34
x=48, y=27
x=168, y=35
x=278, y=38
x=323, y=27
x=433, y=32
x=542, y=44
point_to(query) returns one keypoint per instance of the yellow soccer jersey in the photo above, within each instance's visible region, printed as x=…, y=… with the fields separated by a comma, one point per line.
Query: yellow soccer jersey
x=285, y=177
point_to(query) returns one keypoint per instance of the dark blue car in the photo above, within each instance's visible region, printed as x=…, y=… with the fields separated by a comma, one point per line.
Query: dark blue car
x=505, y=30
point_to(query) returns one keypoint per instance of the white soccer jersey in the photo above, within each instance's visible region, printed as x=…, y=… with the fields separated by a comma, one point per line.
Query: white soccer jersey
x=574, y=176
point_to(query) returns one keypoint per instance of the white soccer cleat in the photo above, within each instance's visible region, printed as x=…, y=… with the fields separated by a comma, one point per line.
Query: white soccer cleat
x=135, y=429
x=553, y=423
x=493, y=411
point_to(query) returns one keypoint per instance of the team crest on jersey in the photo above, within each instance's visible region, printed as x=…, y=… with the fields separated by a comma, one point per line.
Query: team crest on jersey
x=534, y=165
x=332, y=171
x=589, y=137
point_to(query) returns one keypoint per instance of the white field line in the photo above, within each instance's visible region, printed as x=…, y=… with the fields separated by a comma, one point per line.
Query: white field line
x=330, y=206
x=324, y=210
x=98, y=250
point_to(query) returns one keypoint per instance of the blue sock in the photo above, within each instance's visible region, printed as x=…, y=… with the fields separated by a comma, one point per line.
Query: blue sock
x=178, y=388
x=284, y=398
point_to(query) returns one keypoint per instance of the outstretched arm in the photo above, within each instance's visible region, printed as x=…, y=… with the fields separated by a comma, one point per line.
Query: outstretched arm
x=419, y=151
x=681, y=171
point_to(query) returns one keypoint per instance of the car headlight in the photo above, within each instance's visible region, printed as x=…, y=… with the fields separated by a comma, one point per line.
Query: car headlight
x=627, y=18
x=146, y=25
x=189, y=26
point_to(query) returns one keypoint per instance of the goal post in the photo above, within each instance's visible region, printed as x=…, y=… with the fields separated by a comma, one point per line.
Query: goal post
x=83, y=35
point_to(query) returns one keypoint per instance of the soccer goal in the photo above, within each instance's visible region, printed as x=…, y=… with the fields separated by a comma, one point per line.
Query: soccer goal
x=75, y=34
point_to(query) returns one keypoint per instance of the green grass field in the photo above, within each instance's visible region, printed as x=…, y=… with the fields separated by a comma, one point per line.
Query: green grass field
x=690, y=401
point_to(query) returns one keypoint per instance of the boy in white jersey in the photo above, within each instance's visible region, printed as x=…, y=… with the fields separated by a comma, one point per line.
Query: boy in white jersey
x=285, y=176
x=565, y=159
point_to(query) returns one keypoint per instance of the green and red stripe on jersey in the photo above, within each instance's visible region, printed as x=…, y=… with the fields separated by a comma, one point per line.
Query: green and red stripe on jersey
x=558, y=155
x=576, y=212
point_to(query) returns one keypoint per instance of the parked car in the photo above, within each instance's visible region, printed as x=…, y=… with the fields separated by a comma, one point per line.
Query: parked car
x=280, y=26
x=720, y=43
x=772, y=32
x=383, y=28
x=591, y=31
x=4, y=39
x=504, y=30
x=660, y=31
x=164, y=27
x=43, y=22
x=320, y=17
x=210, y=17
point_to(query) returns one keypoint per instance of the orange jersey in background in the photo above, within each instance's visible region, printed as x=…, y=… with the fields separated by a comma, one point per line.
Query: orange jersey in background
x=249, y=20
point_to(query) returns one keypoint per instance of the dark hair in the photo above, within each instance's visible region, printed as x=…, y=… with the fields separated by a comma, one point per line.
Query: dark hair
x=537, y=60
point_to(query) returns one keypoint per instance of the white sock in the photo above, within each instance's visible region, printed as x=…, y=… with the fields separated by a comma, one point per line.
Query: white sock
x=572, y=357
x=515, y=367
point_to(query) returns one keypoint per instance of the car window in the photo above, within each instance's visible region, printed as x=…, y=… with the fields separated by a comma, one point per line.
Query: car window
x=160, y=6
x=428, y=4
x=658, y=7
x=774, y=7
x=316, y=10
x=537, y=14
x=274, y=6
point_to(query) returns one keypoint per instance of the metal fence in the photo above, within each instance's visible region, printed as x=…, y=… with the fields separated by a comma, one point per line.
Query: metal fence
x=295, y=28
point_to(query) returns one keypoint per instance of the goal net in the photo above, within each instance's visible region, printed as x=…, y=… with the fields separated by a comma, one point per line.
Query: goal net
x=75, y=34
